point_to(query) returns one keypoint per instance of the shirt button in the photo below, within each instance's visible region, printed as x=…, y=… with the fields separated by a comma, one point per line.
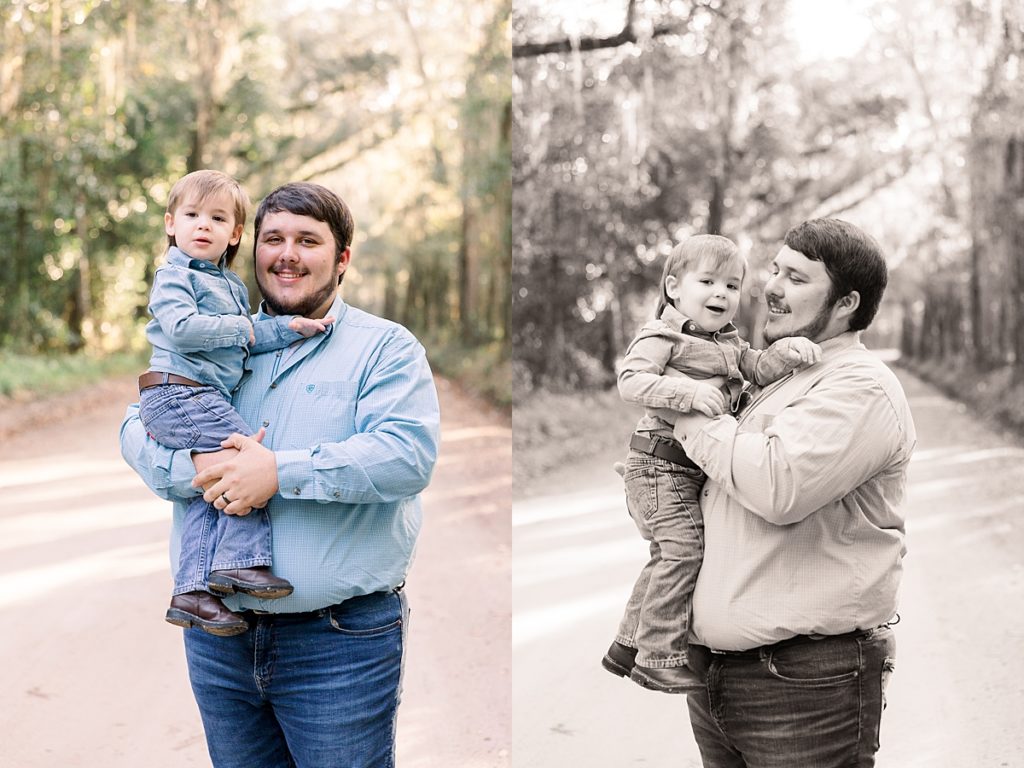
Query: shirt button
x=296, y=490
x=274, y=385
x=337, y=494
x=266, y=423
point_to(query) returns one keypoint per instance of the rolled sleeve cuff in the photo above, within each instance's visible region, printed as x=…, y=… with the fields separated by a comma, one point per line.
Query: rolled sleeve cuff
x=707, y=444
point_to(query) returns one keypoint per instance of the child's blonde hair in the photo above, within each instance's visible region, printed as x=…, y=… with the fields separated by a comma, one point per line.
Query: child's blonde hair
x=714, y=250
x=200, y=185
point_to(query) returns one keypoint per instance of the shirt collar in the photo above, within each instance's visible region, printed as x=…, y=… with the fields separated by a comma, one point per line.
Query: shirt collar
x=177, y=256
x=677, y=320
x=841, y=343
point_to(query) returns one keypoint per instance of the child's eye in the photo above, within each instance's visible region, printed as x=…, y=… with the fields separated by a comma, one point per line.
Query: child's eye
x=219, y=218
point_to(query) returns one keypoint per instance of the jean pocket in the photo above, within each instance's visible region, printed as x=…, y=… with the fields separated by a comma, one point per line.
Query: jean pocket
x=168, y=423
x=816, y=663
x=641, y=481
x=357, y=619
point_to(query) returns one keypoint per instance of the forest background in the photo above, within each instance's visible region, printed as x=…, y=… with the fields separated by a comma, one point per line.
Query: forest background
x=639, y=122
x=401, y=106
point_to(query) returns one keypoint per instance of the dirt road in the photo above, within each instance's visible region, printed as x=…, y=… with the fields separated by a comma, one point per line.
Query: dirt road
x=958, y=692
x=94, y=677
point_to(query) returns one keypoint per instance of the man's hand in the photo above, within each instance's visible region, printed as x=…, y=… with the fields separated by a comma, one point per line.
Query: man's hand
x=248, y=480
x=687, y=425
x=708, y=399
x=309, y=326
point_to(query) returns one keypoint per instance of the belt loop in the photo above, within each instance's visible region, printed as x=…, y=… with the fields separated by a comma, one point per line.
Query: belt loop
x=166, y=377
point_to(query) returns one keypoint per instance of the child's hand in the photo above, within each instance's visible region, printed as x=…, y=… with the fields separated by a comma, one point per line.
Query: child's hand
x=708, y=400
x=308, y=326
x=800, y=351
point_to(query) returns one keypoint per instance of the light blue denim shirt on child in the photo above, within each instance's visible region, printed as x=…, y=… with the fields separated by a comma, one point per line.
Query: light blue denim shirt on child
x=353, y=420
x=200, y=325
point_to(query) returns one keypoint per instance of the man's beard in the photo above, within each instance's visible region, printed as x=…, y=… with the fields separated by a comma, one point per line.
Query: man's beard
x=302, y=307
x=811, y=331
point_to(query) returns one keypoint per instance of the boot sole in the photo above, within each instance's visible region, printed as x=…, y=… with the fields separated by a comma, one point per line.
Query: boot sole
x=185, y=620
x=229, y=587
x=644, y=681
x=614, y=667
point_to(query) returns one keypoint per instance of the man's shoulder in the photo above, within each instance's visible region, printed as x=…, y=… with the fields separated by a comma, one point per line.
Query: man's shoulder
x=360, y=320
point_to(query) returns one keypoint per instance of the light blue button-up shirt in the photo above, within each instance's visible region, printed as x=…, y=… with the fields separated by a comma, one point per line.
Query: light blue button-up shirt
x=200, y=325
x=353, y=419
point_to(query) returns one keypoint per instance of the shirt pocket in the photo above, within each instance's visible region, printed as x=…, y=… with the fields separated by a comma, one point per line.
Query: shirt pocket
x=331, y=406
x=216, y=299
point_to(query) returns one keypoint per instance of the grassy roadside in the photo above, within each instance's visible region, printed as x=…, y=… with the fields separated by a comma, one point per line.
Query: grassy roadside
x=549, y=429
x=483, y=371
x=35, y=376
x=993, y=395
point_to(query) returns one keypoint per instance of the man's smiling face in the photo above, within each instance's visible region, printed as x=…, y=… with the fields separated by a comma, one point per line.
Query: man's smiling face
x=797, y=294
x=297, y=265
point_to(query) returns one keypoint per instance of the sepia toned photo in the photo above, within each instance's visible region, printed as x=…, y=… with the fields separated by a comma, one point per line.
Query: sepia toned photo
x=767, y=378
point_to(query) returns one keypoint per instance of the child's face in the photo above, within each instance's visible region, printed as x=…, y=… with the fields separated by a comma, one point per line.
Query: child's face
x=204, y=229
x=709, y=297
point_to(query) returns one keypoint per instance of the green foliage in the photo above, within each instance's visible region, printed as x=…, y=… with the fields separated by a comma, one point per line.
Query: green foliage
x=104, y=105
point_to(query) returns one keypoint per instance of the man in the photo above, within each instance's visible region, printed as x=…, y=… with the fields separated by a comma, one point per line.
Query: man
x=804, y=539
x=352, y=421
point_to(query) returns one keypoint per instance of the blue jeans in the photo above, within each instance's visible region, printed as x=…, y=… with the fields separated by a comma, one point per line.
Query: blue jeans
x=809, y=703
x=314, y=690
x=662, y=500
x=199, y=418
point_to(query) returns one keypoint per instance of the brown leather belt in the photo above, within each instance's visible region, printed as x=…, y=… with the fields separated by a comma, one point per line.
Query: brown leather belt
x=662, y=447
x=156, y=378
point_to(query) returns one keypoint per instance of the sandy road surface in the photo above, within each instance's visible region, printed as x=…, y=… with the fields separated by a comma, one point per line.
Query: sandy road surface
x=958, y=692
x=94, y=677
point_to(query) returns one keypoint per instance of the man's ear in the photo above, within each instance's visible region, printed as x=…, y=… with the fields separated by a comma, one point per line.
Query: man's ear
x=848, y=304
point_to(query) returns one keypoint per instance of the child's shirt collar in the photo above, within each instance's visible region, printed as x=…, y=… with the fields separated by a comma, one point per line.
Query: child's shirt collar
x=678, y=321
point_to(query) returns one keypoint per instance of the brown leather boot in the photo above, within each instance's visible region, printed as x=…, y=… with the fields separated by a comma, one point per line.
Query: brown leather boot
x=203, y=610
x=257, y=581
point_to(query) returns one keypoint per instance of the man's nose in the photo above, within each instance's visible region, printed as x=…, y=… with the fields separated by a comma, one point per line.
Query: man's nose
x=288, y=250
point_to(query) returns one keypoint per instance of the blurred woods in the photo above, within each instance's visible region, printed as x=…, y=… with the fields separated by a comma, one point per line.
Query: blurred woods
x=639, y=122
x=401, y=106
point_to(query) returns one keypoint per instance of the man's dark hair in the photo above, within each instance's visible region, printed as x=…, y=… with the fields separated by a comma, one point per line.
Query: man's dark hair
x=307, y=199
x=852, y=259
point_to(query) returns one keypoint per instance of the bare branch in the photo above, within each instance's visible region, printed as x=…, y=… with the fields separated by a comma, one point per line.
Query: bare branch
x=628, y=34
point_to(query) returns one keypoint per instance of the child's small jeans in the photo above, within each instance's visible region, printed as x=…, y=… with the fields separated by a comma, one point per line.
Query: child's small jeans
x=199, y=418
x=662, y=498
